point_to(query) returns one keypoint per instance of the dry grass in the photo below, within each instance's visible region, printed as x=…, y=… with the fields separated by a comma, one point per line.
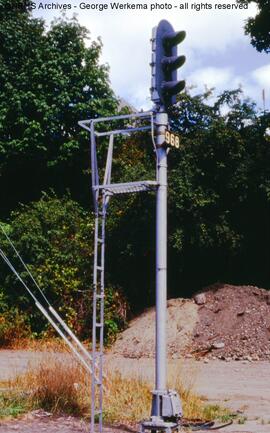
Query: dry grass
x=55, y=386
x=58, y=387
x=39, y=345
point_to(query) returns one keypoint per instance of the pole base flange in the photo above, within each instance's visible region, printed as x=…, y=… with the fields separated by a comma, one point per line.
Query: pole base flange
x=158, y=424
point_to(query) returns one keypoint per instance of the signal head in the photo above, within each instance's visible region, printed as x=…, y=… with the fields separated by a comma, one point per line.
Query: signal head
x=165, y=63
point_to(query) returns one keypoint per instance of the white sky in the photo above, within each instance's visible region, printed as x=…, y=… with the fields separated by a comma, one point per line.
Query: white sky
x=218, y=53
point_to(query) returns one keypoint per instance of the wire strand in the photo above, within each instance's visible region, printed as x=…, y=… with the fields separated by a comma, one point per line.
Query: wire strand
x=17, y=274
x=24, y=265
x=51, y=321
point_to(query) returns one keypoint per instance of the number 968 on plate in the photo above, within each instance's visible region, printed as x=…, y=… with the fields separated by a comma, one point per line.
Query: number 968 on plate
x=172, y=140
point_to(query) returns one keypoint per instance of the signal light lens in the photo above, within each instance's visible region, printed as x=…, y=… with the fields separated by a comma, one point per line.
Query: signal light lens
x=171, y=63
x=173, y=38
x=173, y=87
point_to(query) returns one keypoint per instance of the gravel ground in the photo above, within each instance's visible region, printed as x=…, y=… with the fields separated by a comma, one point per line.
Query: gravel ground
x=49, y=425
x=236, y=384
x=71, y=425
x=34, y=424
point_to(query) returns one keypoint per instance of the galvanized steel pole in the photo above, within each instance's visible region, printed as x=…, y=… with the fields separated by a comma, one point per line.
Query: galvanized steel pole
x=161, y=253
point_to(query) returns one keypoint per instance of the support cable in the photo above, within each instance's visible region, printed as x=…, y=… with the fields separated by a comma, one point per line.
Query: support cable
x=52, y=322
x=41, y=308
x=17, y=274
x=24, y=265
x=153, y=133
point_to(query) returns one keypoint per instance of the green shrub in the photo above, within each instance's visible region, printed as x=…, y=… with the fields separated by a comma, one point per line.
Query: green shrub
x=55, y=238
x=14, y=325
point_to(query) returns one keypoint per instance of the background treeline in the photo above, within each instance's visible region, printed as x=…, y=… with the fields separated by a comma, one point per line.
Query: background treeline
x=219, y=185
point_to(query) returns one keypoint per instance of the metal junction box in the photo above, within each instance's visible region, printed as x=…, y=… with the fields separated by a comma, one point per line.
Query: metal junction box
x=171, y=405
x=166, y=404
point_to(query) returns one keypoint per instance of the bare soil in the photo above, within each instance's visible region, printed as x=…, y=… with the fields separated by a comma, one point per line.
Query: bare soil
x=36, y=424
x=39, y=422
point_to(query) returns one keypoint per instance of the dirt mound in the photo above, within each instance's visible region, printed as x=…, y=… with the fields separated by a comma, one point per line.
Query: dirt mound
x=222, y=321
x=139, y=339
x=234, y=323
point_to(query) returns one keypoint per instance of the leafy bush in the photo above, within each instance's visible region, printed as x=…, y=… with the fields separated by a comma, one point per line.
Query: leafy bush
x=116, y=310
x=55, y=238
x=14, y=325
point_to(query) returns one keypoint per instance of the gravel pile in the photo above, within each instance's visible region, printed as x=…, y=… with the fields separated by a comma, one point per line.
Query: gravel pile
x=221, y=322
x=233, y=323
x=138, y=341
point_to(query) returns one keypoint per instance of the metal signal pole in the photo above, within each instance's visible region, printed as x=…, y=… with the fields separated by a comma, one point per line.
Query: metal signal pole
x=161, y=253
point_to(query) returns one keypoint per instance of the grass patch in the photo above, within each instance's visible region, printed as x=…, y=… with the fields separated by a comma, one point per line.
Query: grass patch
x=12, y=405
x=63, y=387
x=216, y=412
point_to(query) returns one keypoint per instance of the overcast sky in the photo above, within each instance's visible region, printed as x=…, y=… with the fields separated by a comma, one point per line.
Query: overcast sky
x=218, y=53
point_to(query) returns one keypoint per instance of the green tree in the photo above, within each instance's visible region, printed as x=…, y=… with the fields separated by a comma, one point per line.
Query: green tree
x=258, y=27
x=48, y=81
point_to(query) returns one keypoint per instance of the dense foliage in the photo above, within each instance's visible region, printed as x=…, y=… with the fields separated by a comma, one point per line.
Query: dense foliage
x=56, y=238
x=219, y=192
x=258, y=27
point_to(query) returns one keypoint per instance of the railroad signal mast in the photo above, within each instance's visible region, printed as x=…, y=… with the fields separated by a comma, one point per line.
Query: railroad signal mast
x=166, y=410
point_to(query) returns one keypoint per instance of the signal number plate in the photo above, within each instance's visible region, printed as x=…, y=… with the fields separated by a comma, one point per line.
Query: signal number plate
x=172, y=140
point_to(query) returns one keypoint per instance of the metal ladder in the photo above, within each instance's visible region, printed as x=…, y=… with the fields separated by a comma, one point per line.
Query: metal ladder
x=98, y=315
x=102, y=192
x=101, y=202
